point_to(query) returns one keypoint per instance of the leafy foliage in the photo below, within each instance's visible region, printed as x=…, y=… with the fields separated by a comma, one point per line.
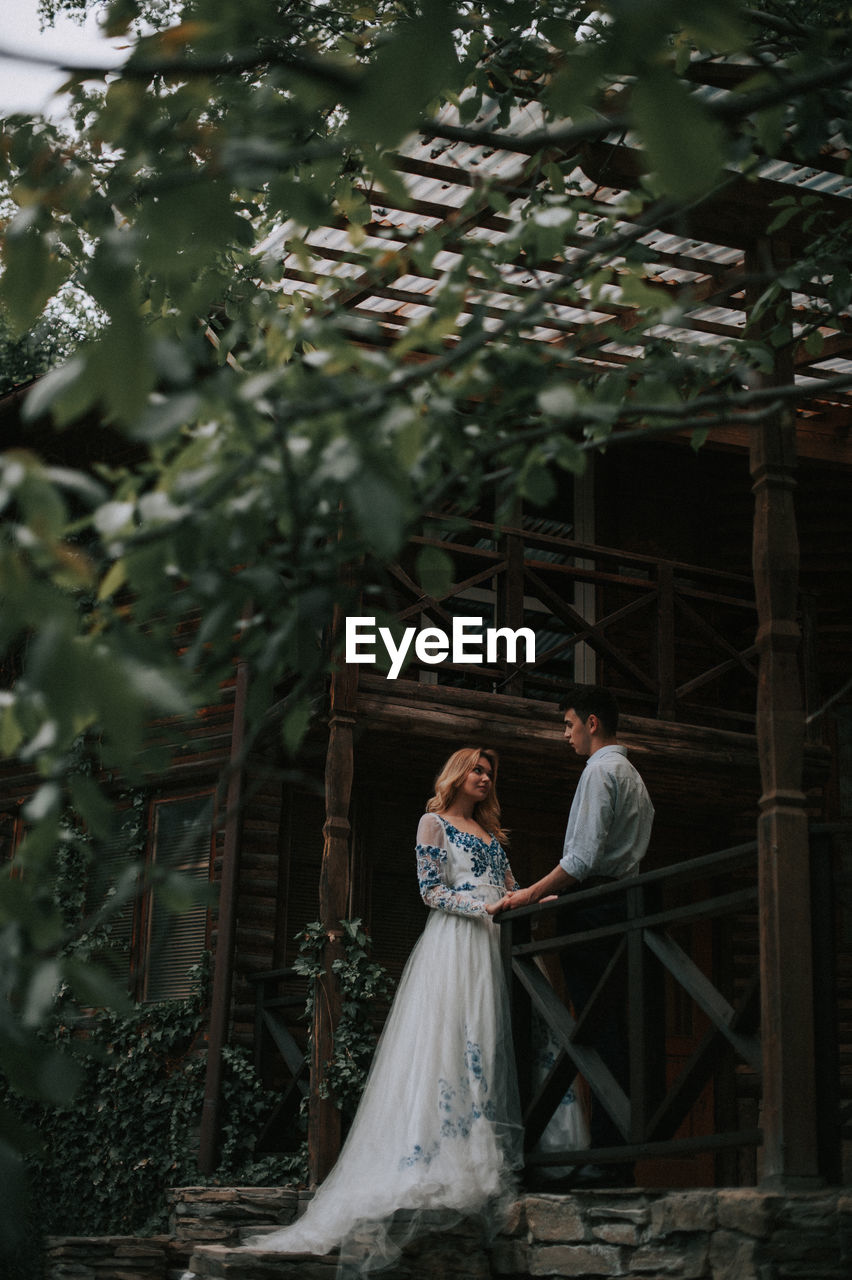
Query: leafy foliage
x=364, y=985
x=103, y=1162
x=276, y=437
x=104, y=1159
x=28, y=356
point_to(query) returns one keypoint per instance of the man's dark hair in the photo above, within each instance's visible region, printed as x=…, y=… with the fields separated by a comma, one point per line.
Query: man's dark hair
x=592, y=700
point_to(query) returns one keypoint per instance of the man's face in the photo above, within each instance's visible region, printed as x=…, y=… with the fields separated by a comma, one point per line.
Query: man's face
x=578, y=733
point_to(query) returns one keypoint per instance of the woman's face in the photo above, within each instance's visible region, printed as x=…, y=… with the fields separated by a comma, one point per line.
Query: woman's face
x=477, y=784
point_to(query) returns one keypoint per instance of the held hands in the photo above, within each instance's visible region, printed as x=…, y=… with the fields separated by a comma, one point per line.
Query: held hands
x=514, y=898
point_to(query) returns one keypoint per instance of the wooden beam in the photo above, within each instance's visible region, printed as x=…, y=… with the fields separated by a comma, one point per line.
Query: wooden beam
x=587, y=1060
x=737, y=216
x=223, y=969
x=789, y=1084
x=324, y=1131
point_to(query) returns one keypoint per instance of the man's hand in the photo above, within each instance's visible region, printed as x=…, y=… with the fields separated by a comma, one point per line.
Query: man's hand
x=514, y=898
x=552, y=885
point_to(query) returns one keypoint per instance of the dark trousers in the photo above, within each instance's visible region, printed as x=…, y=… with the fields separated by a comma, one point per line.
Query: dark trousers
x=583, y=967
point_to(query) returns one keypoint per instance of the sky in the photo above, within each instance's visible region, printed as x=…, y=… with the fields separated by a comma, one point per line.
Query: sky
x=25, y=86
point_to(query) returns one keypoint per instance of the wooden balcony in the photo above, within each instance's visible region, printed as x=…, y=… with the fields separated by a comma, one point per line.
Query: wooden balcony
x=674, y=641
x=649, y=974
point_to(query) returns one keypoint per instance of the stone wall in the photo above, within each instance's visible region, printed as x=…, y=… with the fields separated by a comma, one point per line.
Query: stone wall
x=110, y=1258
x=638, y=1235
x=685, y=1235
x=225, y=1215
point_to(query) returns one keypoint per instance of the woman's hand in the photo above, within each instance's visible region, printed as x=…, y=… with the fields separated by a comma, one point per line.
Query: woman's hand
x=514, y=898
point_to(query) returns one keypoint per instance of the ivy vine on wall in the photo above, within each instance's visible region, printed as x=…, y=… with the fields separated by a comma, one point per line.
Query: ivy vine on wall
x=365, y=989
x=102, y=1165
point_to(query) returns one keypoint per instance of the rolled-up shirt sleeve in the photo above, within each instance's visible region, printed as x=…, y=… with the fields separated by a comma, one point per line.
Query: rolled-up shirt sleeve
x=589, y=823
x=609, y=825
x=432, y=872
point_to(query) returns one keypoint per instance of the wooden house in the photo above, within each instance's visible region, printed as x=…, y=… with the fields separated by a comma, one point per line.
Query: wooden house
x=711, y=589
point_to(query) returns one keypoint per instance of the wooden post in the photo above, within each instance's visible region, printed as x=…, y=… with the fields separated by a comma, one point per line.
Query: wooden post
x=223, y=969
x=334, y=892
x=790, y=1157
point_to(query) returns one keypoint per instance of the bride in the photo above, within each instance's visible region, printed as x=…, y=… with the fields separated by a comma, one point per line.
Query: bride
x=437, y=1135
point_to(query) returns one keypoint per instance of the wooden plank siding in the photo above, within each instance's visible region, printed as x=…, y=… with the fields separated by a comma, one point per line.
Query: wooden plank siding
x=261, y=901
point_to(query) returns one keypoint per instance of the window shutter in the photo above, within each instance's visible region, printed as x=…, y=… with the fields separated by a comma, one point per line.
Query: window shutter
x=182, y=837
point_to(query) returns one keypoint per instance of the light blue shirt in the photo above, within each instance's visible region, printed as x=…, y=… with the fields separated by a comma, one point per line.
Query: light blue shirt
x=609, y=824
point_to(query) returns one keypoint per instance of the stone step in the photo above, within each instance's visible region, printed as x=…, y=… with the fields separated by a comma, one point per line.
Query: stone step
x=226, y=1215
x=712, y=1234
x=704, y=1234
x=455, y=1254
x=113, y=1258
x=221, y=1262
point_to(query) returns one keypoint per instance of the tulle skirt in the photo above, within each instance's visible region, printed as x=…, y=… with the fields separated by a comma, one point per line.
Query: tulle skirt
x=437, y=1135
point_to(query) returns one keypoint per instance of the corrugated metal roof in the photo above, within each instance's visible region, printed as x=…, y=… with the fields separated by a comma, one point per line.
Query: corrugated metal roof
x=442, y=179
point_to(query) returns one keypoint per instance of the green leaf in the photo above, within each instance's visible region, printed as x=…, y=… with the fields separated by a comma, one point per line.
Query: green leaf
x=31, y=276
x=66, y=392
x=11, y=733
x=408, y=72
x=572, y=88
x=783, y=217
x=814, y=343
x=769, y=125
x=434, y=571
x=555, y=177
x=113, y=580
x=381, y=512
x=91, y=805
x=537, y=483
x=295, y=725
x=41, y=993
x=684, y=145
x=715, y=24
x=57, y=1078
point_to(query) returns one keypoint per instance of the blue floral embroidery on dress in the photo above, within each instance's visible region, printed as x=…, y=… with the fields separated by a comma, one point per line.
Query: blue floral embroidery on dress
x=461, y=1107
x=433, y=889
x=429, y=859
x=488, y=859
x=473, y=1062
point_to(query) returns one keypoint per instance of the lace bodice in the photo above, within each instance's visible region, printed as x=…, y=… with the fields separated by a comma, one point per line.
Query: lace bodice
x=457, y=871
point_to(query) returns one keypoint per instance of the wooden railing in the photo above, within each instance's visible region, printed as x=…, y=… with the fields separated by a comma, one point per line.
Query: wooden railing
x=280, y=996
x=674, y=641
x=718, y=889
x=658, y=917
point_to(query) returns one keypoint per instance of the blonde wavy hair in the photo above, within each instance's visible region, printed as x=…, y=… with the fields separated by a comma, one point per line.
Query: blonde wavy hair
x=453, y=774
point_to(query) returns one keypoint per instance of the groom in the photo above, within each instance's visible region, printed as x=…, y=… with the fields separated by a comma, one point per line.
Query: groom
x=609, y=826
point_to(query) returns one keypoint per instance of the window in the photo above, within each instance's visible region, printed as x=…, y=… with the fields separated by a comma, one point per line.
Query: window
x=155, y=946
x=180, y=840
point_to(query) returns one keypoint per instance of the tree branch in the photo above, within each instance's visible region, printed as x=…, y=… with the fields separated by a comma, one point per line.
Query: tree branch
x=251, y=59
x=729, y=109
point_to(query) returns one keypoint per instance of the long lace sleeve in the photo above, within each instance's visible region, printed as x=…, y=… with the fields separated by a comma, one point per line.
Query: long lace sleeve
x=431, y=872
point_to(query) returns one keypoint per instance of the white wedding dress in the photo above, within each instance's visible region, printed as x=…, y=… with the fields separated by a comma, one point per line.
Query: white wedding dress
x=437, y=1135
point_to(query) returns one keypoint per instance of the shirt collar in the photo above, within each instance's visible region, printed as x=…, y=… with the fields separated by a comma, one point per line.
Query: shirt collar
x=612, y=748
